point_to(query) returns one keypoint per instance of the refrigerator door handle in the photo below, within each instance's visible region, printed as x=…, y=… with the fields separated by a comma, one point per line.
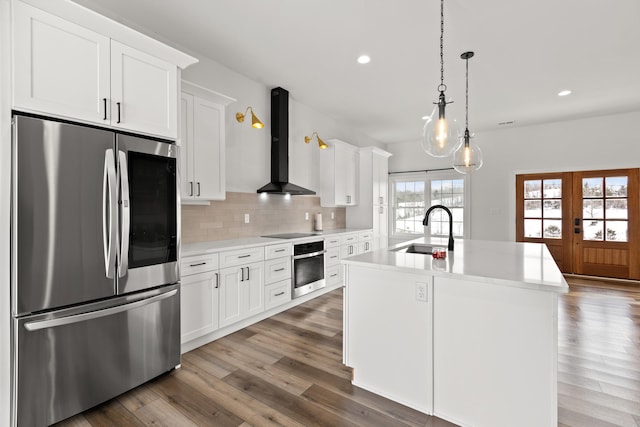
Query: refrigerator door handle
x=82, y=317
x=109, y=207
x=125, y=215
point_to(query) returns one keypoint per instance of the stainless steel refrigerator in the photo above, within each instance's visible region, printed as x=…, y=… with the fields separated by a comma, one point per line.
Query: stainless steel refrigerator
x=94, y=280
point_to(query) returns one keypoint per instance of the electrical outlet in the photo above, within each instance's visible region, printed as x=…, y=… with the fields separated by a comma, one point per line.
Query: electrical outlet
x=306, y=216
x=246, y=219
x=421, y=291
x=333, y=215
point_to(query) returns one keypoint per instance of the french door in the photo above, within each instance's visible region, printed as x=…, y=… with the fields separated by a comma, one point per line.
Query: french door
x=589, y=220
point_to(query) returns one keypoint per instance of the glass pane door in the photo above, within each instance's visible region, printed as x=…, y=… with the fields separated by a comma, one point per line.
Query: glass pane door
x=152, y=190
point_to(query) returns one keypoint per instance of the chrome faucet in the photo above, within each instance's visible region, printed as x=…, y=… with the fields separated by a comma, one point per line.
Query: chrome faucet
x=425, y=221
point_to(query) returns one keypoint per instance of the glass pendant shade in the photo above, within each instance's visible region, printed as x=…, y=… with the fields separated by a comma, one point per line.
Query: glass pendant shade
x=441, y=136
x=467, y=158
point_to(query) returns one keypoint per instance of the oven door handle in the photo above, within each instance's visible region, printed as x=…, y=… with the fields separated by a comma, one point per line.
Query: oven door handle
x=309, y=255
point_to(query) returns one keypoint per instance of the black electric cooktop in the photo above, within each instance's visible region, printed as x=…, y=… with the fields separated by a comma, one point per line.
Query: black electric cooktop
x=290, y=235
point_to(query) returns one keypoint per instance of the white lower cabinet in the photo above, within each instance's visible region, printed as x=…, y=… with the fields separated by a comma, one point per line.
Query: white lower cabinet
x=277, y=275
x=199, y=296
x=241, y=292
x=277, y=294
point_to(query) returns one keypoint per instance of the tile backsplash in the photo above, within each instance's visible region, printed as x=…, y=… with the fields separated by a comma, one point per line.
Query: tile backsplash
x=268, y=214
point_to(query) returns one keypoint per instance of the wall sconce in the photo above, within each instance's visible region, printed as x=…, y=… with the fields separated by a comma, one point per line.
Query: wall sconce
x=255, y=122
x=321, y=143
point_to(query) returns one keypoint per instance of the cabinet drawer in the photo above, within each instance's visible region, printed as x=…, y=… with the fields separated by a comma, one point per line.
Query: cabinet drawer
x=332, y=256
x=334, y=275
x=198, y=264
x=348, y=239
x=330, y=242
x=277, y=269
x=277, y=251
x=277, y=294
x=241, y=256
x=365, y=235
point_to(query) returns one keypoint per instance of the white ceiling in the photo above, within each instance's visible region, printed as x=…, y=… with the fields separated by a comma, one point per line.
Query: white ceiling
x=526, y=51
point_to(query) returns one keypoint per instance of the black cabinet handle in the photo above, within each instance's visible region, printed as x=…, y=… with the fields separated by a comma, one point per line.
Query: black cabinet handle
x=242, y=273
x=118, y=105
x=279, y=293
x=280, y=250
x=217, y=280
x=248, y=273
x=244, y=256
x=198, y=189
x=104, y=100
x=191, y=188
x=279, y=269
x=195, y=265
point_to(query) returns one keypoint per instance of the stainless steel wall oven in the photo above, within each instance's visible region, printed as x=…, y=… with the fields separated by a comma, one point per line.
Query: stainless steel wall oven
x=308, y=267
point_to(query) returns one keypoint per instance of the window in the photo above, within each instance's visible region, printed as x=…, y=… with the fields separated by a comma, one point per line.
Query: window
x=604, y=207
x=413, y=193
x=543, y=208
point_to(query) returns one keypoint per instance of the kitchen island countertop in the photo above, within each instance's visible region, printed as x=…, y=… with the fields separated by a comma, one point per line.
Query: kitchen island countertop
x=524, y=265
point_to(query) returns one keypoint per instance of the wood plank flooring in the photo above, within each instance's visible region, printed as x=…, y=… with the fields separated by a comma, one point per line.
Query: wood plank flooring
x=287, y=371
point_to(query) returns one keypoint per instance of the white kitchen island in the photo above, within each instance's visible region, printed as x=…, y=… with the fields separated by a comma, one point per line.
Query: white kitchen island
x=471, y=339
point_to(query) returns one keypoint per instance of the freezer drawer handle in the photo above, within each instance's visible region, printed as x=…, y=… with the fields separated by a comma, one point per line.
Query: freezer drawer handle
x=83, y=317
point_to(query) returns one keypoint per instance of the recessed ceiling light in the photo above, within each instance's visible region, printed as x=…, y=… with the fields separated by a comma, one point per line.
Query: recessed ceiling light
x=364, y=59
x=564, y=93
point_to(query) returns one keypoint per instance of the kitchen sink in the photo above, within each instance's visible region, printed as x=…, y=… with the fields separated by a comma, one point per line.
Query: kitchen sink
x=416, y=248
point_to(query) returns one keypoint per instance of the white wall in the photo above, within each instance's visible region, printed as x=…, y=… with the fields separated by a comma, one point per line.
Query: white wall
x=248, y=149
x=607, y=142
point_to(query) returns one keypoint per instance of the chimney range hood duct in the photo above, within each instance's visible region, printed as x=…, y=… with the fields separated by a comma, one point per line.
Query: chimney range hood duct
x=280, y=148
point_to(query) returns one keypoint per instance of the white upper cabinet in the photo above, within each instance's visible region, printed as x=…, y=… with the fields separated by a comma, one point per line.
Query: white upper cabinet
x=64, y=69
x=144, y=92
x=202, y=140
x=339, y=164
x=59, y=67
x=373, y=209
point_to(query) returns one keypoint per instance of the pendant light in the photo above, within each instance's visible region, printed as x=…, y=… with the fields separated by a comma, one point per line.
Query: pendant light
x=467, y=158
x=440, y=137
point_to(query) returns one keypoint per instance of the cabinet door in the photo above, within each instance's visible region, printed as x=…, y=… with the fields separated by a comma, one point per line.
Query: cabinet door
x=381, y=220
x=186, y=147
x=380, y=173
x=347, y=160
x=231, y=280
x=199, y=305
x=144, y=92
x=348, y=250
x=253, y=290
x=241, y=292
x=208, y=150
x=60, y=68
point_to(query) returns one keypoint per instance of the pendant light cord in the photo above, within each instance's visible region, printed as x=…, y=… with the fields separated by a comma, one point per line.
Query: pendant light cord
x=442, y=86
x=466, y=99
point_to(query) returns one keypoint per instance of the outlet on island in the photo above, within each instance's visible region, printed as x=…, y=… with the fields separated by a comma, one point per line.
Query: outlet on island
x=421, y=291
x=247, y=219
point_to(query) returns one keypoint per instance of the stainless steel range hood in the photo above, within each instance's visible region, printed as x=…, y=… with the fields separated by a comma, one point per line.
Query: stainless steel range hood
x=280, y=148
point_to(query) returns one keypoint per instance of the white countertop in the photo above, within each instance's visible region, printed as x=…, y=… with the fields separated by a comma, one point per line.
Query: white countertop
x=525, y=265
x=190, y=249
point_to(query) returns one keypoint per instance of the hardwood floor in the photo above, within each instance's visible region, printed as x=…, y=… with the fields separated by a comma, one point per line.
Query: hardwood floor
x=287, y=370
